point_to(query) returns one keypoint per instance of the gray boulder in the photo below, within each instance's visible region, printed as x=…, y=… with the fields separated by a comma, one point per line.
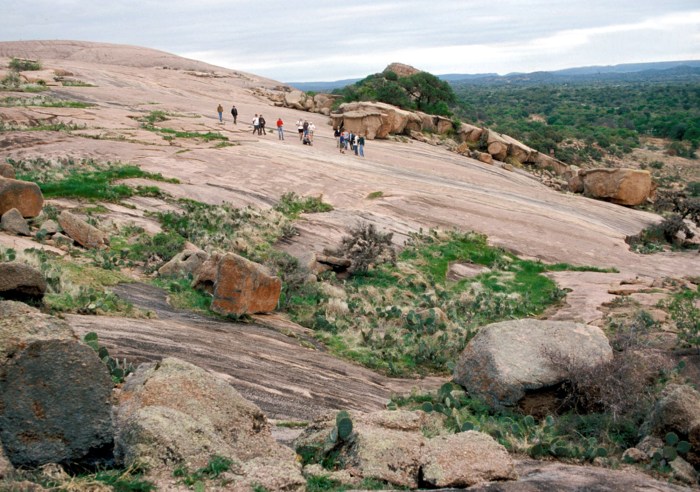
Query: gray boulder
x=506, y=359
x=7, y=171
x=184, y=263
x=55, y=405
x=49, y=227
x=677, y=410
x=13, y=222
x=173, y=413
x=21, y=282
x=80, y=231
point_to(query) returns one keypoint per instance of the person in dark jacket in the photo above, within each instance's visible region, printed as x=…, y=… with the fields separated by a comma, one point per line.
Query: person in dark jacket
x=234, y=113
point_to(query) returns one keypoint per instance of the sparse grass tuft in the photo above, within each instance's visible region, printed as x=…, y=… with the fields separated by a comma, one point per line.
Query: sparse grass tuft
x=292, y=205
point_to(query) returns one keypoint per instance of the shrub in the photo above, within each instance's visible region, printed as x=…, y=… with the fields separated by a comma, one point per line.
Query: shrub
x=293, y=205
x=686, y=316
x=367, y=247
x=20, y=64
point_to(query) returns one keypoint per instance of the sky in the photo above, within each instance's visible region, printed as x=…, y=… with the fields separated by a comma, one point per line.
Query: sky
x=324, y=40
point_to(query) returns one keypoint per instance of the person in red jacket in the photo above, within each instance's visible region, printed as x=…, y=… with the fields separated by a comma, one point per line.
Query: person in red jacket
x=280, y=128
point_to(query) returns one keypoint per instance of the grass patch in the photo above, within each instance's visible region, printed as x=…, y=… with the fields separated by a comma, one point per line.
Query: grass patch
x=181, y=295
x=41, y=101
x=375, y=194
x=198, y=478
x=23, y=64
x=86, y=179
x=148, y=123
x=75, y=83
x=292, y=205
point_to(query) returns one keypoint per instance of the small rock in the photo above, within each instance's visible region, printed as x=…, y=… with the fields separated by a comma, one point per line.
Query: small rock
x=13, y=222
x=21, y=282
x=49, y=227
x=634, y=455
x=61, y=240
x=684, y=471
x=7, y=171
x=80, y=231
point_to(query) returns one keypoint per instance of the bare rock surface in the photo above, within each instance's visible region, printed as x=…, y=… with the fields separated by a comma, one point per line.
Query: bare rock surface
x=546, y=476
x=506, y=359
x=271, y=362
x=55, y=401
x=21, y=282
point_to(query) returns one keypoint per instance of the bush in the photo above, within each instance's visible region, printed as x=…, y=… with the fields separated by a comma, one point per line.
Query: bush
x=367, y=247
x=20, y=64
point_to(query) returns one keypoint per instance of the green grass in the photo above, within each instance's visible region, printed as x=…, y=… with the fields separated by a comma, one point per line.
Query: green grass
x=182, y=296
x=375, y=194
x=21, y=64
x=293, y=205
x=41, y=101
x=87, y=179
x=75, y=83
x=169, y=133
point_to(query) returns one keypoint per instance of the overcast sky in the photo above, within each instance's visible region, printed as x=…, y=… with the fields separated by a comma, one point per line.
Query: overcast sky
x=314, y=40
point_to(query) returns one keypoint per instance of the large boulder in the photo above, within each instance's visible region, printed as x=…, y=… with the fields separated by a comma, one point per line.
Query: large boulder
x=6, y=467
x=21, y=324
x=173, y=413
x=677, y=410
x=21, y=282
x=469, y=133
x=7, y=171
x=244, y=287
x=295, y=99
x=55, y=405
x=506, y=359
x=622, y=186
x=13, y=222
x=22, y=195
x=464, y=459
x=80, y=231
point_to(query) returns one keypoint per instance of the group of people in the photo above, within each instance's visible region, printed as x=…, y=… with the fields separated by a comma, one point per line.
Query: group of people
x=350, y=141
x=346, y=140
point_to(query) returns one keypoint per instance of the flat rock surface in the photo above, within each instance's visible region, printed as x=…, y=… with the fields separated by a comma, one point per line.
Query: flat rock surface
x=267, y=365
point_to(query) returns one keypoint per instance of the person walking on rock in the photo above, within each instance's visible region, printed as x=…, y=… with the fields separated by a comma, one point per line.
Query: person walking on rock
x=300, y=128
x=280, y=129
x=312, y=129
x=256, y=124
x=261, y=126
x=220, y=110
x=361, y=144
x=234, y=113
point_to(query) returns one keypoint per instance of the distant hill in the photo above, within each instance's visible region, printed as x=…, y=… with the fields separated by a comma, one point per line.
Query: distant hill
x=624, y=72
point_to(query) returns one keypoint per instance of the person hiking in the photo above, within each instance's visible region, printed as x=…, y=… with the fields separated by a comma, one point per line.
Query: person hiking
x=220, y=110
x=234, y=113
x=261, y=126
x=256, y=124
x=361, y=144
x=312, y=129
x=305, y=130
x=300, y=128
x=280, y=129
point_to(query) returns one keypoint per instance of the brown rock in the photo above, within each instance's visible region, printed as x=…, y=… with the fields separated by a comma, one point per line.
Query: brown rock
x=484, y=157
x=677, y=410
x=464, y=459
x=7, y=171
x=205, y=277
x=22, y=195
x=21, y=282
x=80, y=231
x=401, y=69
x=622, y=186
x=13, y=222
x=244, y=287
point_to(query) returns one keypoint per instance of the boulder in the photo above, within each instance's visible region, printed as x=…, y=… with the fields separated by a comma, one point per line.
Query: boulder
x=497, y=145
x=244, y=287
x=444, y=125
x=205, y=277
x=677, y=410
x=184, y=263
x=13, y=222
x=470, y=133
x=49, y=227
x=55, y=405
x=295, y=100
x=506, y=359
x=683, y=471
x=173, y=413
x=21, y=282
x=401, y=69
x=544, y=161
x=484, y=157
x=21, y=324
x=622, y=186
x=7, y=171
x=22, y=195
x=465, y=459
x=80, y=231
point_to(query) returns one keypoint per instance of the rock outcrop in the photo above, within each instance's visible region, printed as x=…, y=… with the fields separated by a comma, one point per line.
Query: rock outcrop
x=244, y=287
x=184, y=263
x=55, y=401
x=506, y=359
x=80, y=231
x=390, y=446
x=172, y=413
x=622, y=186
x=21, y=282
x=22, y=195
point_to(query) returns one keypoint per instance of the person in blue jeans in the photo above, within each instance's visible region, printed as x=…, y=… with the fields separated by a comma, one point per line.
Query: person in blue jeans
x=280, y=128
x=361, y=145
x=220, y=110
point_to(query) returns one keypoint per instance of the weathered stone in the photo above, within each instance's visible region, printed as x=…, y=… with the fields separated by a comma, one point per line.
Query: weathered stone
x=172, y=413
x=622, y=186
x=464, y=459
x=677, y=410
x=205, y=278
x=506, y=359
x=80, y=231
x=401, y=69
x=61, y=240
x=184, y=263
x=6, y=467
x=56, y=408
x=295, y=100
x=7, y=171
x=13, y=222
x=244, y=287
x=484, y=157
x=21, y=282
x=683, y=471
x=22, y=195
x=634, y=455
x=21, y=324
x=273, y=474
x=49, y=227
